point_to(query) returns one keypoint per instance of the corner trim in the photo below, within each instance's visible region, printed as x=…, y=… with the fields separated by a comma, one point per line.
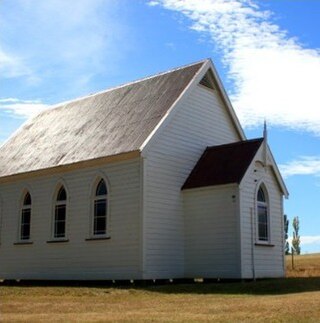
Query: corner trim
x=62, y=169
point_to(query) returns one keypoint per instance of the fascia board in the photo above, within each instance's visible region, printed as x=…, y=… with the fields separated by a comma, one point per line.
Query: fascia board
x=275, y=170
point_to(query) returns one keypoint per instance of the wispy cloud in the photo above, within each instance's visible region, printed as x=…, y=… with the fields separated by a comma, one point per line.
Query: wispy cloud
x=12, y=66
x=308, y=243
x=305, y=165
x=22, y=108
x=60, y=40
x=274, y=76
x=307, y=240
x=58, y=48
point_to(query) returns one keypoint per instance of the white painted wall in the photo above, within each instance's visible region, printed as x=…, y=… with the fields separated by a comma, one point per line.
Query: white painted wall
x=116, y=258
x=268, y=260
x=199, y=121
x=212, y=246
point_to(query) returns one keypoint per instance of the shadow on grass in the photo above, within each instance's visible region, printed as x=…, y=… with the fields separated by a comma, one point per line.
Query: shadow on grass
x=260, y=287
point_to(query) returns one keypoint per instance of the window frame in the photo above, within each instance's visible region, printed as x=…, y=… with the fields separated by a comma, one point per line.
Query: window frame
x=23, y=207
x=57, y=203
x=94, y=198
x=263, y=240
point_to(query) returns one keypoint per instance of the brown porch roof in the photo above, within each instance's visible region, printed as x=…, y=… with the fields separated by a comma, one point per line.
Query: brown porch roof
x=223, y=164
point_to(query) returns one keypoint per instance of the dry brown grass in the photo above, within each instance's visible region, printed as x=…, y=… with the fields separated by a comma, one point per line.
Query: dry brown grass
x=296, y=299
x=304, y=265
x=52, y=304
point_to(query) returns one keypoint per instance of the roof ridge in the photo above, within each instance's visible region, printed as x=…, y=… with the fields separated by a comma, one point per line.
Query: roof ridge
x=57, y=105
x=236, y=143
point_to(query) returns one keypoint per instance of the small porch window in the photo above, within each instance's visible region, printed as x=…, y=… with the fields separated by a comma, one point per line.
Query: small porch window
x=262, y=215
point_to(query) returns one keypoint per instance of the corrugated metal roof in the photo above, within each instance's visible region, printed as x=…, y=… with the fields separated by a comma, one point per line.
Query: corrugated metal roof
x=223, y=164
x=115, y=121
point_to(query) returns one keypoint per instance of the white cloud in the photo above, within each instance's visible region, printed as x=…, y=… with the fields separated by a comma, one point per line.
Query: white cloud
x=307, y=240
x=274, y=76
x=153, y=3
x=305, y=165
x=60, y=40
x=12, y=66
x=22, y=108
x=308, y=243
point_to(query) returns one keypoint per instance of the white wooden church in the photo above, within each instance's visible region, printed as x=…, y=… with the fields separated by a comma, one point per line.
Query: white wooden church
x=153, y=179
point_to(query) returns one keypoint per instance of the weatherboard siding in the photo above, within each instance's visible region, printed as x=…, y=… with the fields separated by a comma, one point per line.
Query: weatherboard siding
x=200, y=120
x=116, y=258
x=212, y=248
x=268, y=260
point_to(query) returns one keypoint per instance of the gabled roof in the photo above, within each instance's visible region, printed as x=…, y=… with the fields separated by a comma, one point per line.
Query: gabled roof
x=223, y=164
x=112, y=122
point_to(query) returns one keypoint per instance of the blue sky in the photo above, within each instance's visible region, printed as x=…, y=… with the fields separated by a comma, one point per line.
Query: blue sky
x=267, y=54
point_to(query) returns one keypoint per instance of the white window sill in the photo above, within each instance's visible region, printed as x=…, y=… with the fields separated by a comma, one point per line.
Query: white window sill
x=264, y=244
x=102, y=237
x=58, y=240
x=23, y=242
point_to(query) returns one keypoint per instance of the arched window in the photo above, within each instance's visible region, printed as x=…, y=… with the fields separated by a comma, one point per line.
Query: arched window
x=263, y=215
x=25, y=217
x=60, y=210
x=100, y=209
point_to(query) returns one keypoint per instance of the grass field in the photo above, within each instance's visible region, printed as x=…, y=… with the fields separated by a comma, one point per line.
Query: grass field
x=295, y=299
x=304, y=266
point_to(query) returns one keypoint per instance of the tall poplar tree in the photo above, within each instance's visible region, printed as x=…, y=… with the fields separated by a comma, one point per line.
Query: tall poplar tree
x=296, y=236
x=286, y=229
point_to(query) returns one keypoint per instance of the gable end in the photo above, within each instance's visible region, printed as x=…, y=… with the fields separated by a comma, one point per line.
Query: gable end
x=208, y=80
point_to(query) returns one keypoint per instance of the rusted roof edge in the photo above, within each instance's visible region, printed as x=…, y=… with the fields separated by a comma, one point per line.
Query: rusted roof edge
x=71, y=167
